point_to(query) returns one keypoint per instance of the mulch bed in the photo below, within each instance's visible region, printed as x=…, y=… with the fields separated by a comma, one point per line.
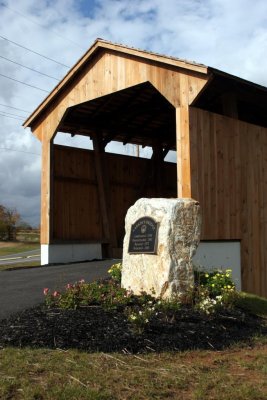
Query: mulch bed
x=93, y=329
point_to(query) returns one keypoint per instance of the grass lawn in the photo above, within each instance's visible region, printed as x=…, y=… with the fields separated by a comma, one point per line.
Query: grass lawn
x=18, y=265
x=7, y=248
x=237, y=373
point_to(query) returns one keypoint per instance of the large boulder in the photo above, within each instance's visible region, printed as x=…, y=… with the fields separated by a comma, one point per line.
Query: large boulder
x=169, y=271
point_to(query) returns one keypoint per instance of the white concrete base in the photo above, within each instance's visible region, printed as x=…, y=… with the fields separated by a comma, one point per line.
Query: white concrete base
x=65, y=253
x=220, y=254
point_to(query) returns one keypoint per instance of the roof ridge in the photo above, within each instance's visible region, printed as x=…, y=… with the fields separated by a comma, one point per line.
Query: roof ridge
x=150, y=52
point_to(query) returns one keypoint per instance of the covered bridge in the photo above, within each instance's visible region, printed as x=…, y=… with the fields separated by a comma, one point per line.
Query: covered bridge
x=216, y=123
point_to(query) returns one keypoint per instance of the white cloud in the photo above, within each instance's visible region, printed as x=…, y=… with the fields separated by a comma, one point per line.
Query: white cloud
x=226, y=34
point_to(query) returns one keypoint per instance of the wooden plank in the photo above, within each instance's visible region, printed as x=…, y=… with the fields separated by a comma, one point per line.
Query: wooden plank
x=255, y=205
x=213, y=183
x=245, y=216
x=228, y=191
x=264, y=216
x=237, y=182
x=75, y=180
x=205, y=172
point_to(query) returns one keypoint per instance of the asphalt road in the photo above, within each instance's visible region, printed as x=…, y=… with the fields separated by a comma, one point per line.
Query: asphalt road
x=23, y=288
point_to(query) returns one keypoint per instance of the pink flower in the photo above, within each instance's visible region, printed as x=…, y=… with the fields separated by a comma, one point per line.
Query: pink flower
x=82, y=281
x=55, y=294
x=45, y=291
x=69, y=286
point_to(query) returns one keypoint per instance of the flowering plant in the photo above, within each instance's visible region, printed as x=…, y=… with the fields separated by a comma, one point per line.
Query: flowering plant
x=108, y=293
x=51, y=299
x=214, y=290
x=218, y=281
x=115, y=271
x=140, y=316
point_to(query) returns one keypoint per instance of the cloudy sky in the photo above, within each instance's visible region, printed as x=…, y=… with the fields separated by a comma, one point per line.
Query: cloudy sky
x=230, y=35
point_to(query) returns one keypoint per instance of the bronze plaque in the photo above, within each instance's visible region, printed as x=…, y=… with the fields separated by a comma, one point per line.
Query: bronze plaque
x=144, y=236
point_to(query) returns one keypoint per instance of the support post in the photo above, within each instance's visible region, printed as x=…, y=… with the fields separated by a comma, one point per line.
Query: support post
x=157, y=158
x=46, y=191
x=102, y=181
x=183, y=152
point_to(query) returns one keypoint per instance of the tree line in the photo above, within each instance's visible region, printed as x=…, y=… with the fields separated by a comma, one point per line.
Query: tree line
x=10, y=222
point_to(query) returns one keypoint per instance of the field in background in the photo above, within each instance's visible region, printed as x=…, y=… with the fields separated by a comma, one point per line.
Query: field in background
x=7, y=248
x=26, y=240
x=28, y=236
x=16, y=247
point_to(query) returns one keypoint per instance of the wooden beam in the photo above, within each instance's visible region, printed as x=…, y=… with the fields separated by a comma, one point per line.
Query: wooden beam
x=103, y=190
x=133, y=136
x=45, y=191
x=157, y=158
x=76, y=122
x=183, y=152
x=108, y=139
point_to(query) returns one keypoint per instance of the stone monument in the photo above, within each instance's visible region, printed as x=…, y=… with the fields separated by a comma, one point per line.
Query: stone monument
x=161, y=238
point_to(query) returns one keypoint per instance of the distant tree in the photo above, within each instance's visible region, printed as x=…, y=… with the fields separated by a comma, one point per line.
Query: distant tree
x=23, y=225
x=2, y=223
x=9, y=218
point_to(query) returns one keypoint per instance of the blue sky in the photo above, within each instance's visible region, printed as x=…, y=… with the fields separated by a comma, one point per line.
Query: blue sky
x=230, y=35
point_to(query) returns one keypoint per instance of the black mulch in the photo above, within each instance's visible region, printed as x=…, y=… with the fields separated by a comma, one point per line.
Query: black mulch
x=94, y=329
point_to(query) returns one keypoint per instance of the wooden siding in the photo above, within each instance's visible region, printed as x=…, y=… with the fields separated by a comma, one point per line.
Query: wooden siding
x=76, y=214
x=229, y=179
x=76, y=209
x=111, y=71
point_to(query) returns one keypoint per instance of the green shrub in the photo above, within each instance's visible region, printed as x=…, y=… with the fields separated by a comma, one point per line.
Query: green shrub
x=214, y=290
x=115, y=272
x=140, y=316
x=107, y=293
